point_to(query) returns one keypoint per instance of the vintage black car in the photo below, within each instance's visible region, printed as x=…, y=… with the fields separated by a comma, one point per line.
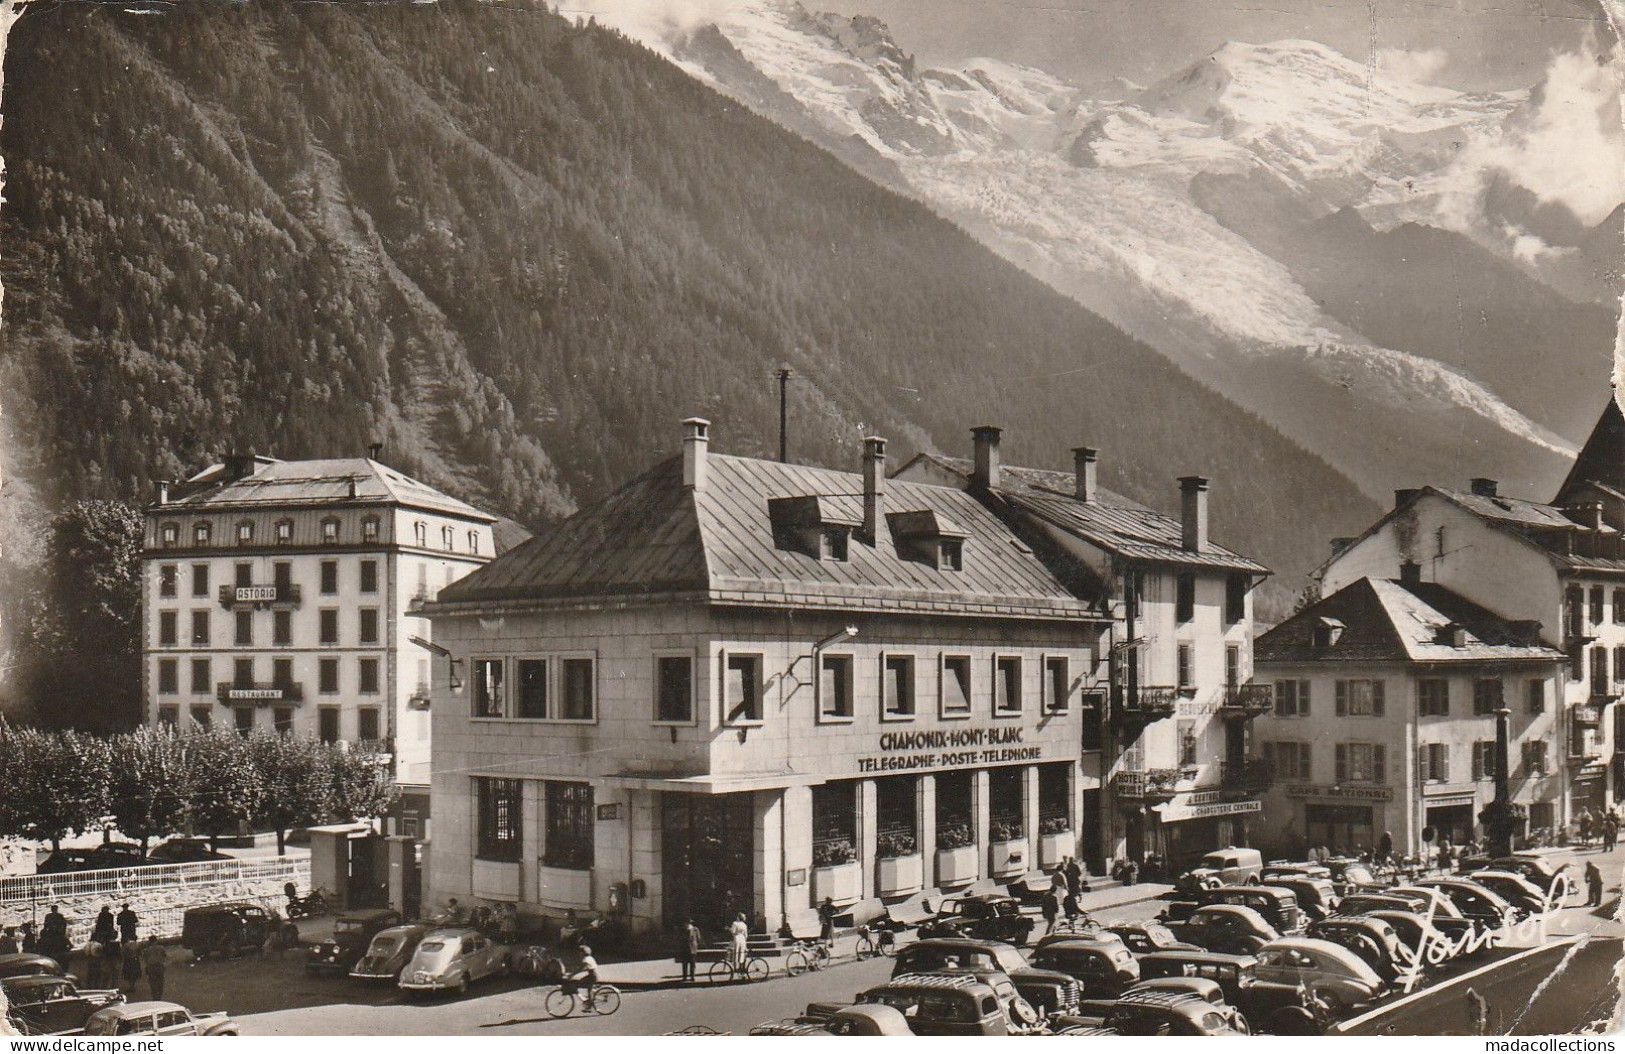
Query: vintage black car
x=1486, y=909
x=984, y=916
x=1103, y=967
x=225, y=929
x=352, y=933
x=185, y=851
x=1049, y=991
x=47, y=1005
x=1371, y=938
x=1232, y=973
x=102, y=857
x=27, y=964
x=1154, y=1012
x=1143, y=938
x=389, y=952
x=1226, y=928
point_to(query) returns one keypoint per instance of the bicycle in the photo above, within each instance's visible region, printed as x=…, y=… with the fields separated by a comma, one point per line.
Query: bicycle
x=870, y=945
x=602, y=999
x=807, y=955
x=754, y=969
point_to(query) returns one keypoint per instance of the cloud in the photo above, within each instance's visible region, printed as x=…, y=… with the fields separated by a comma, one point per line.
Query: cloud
x=654, y=22
x=1418, y=66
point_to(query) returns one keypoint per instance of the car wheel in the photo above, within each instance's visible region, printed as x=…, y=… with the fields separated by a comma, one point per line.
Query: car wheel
x=462, y=985
x=1254, y=880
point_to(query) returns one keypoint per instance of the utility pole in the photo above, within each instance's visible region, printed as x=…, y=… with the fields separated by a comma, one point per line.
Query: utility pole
x=784, y=440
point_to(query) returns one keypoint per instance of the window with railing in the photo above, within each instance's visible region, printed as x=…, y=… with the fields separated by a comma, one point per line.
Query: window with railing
x=955, y=828
x=835, y=823
x=498, y=806
x=569, y=826
x=1054, y=798
x=1007, y=798
x=895, y=827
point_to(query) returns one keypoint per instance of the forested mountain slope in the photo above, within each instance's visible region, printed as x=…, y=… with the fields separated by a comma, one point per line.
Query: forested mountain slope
x=517, y=250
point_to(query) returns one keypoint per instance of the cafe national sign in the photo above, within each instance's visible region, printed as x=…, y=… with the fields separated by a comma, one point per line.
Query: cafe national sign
x=919, y=749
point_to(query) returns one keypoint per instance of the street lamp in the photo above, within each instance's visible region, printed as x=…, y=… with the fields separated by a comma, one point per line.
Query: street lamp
x=456, y=682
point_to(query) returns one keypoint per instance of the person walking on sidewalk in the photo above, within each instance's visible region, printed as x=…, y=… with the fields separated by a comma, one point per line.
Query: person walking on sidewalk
x=1051, y=907
x=826, y=922
x=154, y=957
x=1593, y=885
x=1074, y=874
x=688, y=948
x=1610, y=831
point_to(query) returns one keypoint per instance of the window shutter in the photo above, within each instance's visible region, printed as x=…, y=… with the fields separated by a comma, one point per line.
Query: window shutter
x=1280, y=698
x=1342, y=762
x=1378, y=690
x=1478, y=761
x=1379, y=761
x=1305, y=755
x=1342, y=698
x=1424, y=754
x=1303, y=698
x=1444, y=762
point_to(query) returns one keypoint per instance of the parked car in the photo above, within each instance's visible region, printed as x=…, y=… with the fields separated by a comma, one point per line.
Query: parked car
x=103, y=857
x=1332, y=973
x=389, y=952
x=946, y=1005
x=1047, y=991
x=185, y=851
x=47, y=1005
x=1232, y=973
x=874, y=1019
x=1524, y=896
x=1416, y=933
x=1317, y=897
x=1230, y=866
x=1372, y=939
x=1539, y=870
x=153, y=1018
x=225, y=929
x=1279, y=869
x=27, y=964
x=1278, y=905
x=451, y=959
x=1485, y=908
x=984, y=916
x=1226, y=928
x=1103, y=968
x=352, y=933
x=1153, y=1012
x=1199, y=986
x=1142, y=938
x=1433, y=906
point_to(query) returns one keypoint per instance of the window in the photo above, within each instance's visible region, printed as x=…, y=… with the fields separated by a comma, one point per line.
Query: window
x=1433, y=697
x=244, y=716
x=1057, y=685
x=369, y=576
x=1232, y=664
x=282, y=627
x=474, y=542
x=1054, y=798
x=369, y=625
x=1487, y=695
x=1185, y=598
x=282, y=577
x=282, y=674
x=1619, y=663
x=955, y=685
x=167, y=575
x=284, y=532
x=203, y=717
x=579, y=689
x=498, y=804
x=1133, y=593
x=742, y=688
x=1186, y=734
x=835, y=688
x=896, y=828
x=200, y=627
x=1438, y=544
x=833, y=544
x=1291, y=698
x=1007, y=685
x=244, y=635
x=242, y=673
x=201, y=532
x=1007, y=800
x=674, y=689
x=282, y=720
x=1596, y=605
x=168, y=676
x=369, y=530
x=167, y=632
x=169, y=535
x=1187, y=666
x=1093, y=706
x=243, y=575
x=327, y=676
x=201, y=676
x=327, y=724
x=330, y=577
x=367, y=727
x=245, y=532
x=1599, y=670
x=169, y=716
x=532, y=687
x=200, y=580
x=328, y=626
x=448, y=539
x=330, y=531
x=488, y=701
x=952, y=555
x=1619, y=606
x=1433, y=762
x=420, y=534
x=1534, y=757
x=567, y=838
x=1361, y=763
x=1360, y=698
x=1537, y=696
x=1484, y=759
x=369, y=676
x=1235, y=599
x=1288, y=760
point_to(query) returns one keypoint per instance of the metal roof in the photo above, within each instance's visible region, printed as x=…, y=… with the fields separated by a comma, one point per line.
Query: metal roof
x=322, y=482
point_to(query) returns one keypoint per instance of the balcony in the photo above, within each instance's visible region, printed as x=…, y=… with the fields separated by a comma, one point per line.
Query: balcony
x=1245, y=777
x=1153, y=784
x=1591, y=716
x=1243, y=702
x=1144, y=704
x=259, y=596
x=232, y=692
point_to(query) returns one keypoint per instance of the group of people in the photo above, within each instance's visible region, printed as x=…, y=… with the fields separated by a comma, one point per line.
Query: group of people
x=1061, y=899
x=115, y=956
x=1604, y=827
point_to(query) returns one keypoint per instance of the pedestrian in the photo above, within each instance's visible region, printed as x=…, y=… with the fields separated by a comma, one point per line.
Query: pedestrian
x=8, y=942
x=1593, y=884
x=1385, y=847
x=688, y=948
x=105, y=928
x=53, y=939
x=739, y=939
x=1051, y=907
x=30, y=942
x=1446, y=859
x=455, y=915
x=1071, y=906
x=826, y=921
x=93, y=963
x=1610, y=832
x=154, y=957
x=1585, y=823
x=112, y=963
x=508, y=923
x=131, y=969
x=127, y=922
x=1074, y=874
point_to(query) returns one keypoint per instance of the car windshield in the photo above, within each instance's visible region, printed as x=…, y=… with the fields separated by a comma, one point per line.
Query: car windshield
x=348, y=926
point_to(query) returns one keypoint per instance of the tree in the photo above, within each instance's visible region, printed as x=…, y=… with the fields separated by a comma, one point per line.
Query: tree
x=227, y=788
x=362, y=783
x=56, y=782
x=148, y=783
x=298, y=783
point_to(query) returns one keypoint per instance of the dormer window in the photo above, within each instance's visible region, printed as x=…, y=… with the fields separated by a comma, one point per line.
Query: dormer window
x=833, y=544
x=1327, y=632
x=245, y=532
x=169, y=535
x=1451, y=635
x=926, y=536
x=448, y=539
x=369, y=530
x=420, y=534
x=474, y=542
x=284, y=532
x=330, y=531
x=817, y=525
x=202, y=531
x=951, y=557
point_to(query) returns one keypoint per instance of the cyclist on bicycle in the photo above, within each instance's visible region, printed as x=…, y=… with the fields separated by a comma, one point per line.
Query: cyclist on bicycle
x=585, y=978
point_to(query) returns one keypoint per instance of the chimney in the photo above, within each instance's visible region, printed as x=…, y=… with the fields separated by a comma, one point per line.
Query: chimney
x=1403, y=497
x=986, y=439
x=1193, y=512
x=1485, y=487
x=373, y=450
x=874, y=486
x=352, y=488
x=696, y=442
x=1083, y=469
x=1587, y=514
x=1339, y=545
x=239, y=466
x=1410, y=573
x=163, y=492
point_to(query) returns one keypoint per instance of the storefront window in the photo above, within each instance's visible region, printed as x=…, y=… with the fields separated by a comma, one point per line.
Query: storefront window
x=894, y=798
x=488, y=688
x=1006, y=791
x=498, y=803
x=835, y=823
x=954, y=827
x=568, y=819
x=1054, y=799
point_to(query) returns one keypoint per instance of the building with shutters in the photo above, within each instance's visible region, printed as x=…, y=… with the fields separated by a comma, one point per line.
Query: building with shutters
x=1385, y=696
x=286, y=595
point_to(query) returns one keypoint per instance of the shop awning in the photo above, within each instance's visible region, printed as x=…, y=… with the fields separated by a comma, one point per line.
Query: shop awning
x=718, y=783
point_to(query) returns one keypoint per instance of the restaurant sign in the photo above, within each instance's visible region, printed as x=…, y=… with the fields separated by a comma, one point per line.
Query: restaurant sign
x=949, y=748
x=1320, y=790
x=254, y=693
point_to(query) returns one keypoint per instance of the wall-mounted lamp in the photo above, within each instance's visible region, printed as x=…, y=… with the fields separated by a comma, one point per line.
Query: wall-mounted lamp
x=455, y=682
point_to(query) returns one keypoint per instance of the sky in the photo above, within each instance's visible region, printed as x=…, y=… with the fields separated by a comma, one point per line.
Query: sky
x=1463, y=44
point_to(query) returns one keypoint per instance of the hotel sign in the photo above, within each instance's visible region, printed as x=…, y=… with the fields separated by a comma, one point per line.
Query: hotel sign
x=256, y=593
x=1317, y=790
x=949, y=748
